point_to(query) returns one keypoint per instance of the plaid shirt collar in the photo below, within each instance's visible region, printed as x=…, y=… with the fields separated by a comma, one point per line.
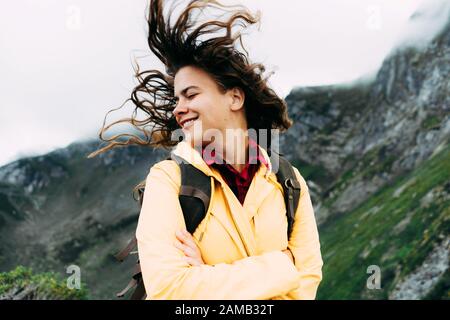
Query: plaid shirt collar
x=254, y=157
x=239, y=182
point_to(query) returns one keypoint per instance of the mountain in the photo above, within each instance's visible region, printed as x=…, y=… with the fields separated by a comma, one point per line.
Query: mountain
x=363, y=136
x=376, y=155
x=61, y=209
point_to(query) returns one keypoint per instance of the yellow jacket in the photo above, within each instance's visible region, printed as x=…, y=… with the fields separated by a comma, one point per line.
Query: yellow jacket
x=240, y=244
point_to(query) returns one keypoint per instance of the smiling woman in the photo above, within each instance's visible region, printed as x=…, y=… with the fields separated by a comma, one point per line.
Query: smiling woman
x=258, y=237
x=177, y=48
x=203, y=106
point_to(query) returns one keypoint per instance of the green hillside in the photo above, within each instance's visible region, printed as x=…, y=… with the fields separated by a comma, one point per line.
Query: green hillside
x=395, y=229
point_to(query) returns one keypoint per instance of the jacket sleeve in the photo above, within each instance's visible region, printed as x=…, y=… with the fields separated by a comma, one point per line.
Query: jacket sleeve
x=167, y=275
x=305, y=246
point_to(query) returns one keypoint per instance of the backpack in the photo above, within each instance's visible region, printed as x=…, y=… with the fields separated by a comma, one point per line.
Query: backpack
x=194, y=196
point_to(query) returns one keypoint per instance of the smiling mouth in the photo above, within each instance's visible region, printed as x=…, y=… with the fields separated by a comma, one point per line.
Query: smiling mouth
x=188, y=123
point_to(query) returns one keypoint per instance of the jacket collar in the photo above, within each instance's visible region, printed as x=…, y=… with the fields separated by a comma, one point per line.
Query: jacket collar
x=264, y=182
x=193, y=156
x=254, y=155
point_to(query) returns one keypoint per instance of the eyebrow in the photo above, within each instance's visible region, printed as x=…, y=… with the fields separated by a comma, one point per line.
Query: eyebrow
x=183, y=92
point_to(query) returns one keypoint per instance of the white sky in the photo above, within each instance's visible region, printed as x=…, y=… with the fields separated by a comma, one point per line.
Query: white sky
x=64, y=64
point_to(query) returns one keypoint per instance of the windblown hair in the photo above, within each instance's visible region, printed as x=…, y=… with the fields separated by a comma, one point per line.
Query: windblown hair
x=180, y=45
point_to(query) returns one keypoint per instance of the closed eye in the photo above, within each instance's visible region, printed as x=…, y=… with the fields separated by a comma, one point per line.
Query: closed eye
x=175, y=99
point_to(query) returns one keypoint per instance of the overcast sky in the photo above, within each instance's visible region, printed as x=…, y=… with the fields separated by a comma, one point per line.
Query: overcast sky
x=64, y=64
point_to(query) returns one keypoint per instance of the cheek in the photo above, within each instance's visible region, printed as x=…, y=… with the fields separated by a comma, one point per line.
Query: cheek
x=219, y=114
x=215, y=121
x=214, y=112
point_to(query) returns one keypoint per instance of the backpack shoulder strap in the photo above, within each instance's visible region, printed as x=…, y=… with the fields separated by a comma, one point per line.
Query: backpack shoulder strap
x=195, y=193
x=291, y=187
x=194, y=196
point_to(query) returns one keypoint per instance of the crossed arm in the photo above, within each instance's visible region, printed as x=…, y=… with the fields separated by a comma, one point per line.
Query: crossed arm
x=186, y=243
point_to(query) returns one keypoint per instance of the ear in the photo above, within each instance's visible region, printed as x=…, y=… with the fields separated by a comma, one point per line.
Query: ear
x=237, y=96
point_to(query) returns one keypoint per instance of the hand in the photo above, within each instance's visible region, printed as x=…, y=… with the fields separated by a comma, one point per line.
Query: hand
x=288, y=252
x=186, y=243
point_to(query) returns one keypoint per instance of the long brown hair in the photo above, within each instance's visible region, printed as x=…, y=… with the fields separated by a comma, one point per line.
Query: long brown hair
x=180, y=45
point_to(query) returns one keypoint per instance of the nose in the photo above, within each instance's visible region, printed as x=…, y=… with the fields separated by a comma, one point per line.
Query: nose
x=180, y=109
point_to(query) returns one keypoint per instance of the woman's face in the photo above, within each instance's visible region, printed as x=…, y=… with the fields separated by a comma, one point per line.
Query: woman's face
x=199, y=98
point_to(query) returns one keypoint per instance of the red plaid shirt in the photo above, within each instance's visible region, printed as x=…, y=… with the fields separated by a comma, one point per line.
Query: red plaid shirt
x=239, y=182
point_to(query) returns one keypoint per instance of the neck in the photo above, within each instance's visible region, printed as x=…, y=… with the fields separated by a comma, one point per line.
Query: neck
x=235, y=150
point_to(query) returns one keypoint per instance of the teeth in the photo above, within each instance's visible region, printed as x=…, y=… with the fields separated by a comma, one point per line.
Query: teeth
x=188, y=122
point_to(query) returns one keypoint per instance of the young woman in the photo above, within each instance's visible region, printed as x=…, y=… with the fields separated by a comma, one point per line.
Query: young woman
x=215, y=97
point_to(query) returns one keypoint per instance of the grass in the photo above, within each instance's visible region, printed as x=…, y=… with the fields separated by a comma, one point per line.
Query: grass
x=431, y=122
x=397, y=253
x=48, y=285
x=372, y=163
x=308, y=171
